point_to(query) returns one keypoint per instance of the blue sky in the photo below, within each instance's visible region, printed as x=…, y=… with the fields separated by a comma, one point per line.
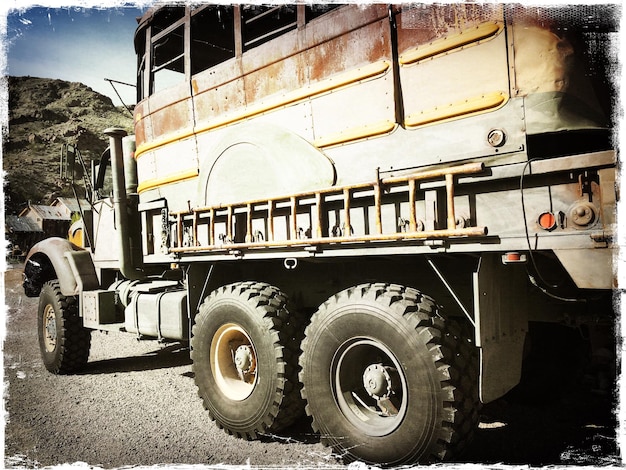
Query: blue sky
x=79, y=44
x=86, y=43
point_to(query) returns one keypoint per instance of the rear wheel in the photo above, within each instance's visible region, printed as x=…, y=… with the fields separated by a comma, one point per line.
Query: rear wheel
x=245, y=348
x=385, y=380
x=63, y=341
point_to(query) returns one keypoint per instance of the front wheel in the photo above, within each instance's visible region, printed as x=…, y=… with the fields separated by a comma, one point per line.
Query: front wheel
x=385, y=380
x=63, y=341
x=245, y=348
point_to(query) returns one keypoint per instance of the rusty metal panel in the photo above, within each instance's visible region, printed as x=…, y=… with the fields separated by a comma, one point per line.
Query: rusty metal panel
x=168, y=123
x=218, y=91
x=273, y=51
x=278, y=77
x=365, y=45
x=174, y=118
x=341, y=21
x=140, y=123
x=421, y=24
x=170, y=111
x=343, y=58
x=465, y=48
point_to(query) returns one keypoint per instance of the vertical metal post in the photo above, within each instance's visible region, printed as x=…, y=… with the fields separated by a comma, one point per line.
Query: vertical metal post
x=212, y=227
x=293, y=231
x=179, y=230
x=195, y=228
x=377, y=203
x=412, y=214
x=270, y=217
x=318, y=205
x=249, y=224
x=229, y=223
x=346, y=209
x=450, y=200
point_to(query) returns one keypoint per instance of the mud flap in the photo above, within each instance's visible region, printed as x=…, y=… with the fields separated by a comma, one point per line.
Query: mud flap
x=500, y=306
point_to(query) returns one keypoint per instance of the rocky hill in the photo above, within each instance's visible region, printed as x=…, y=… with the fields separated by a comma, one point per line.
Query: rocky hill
x=43, y=115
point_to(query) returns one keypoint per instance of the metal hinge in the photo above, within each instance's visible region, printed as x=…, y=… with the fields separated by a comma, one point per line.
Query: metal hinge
x=602, y=238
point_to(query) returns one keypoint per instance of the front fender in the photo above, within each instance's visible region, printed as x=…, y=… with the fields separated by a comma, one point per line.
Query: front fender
x=52, y=259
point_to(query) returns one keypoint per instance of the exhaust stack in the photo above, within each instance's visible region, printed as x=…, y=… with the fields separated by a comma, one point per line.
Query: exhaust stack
x=125, y=204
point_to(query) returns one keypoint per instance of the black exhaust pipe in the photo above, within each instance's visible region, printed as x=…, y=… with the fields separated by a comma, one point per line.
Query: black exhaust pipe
x=126, y=215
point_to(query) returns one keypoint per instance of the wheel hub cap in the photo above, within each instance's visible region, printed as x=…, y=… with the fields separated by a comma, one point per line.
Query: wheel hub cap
x=50, y=328
x=233, y=362
x=369, y=387
x=377, y=381
x=244, y=359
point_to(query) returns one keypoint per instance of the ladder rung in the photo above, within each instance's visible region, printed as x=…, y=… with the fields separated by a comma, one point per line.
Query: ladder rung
x=294, y=216
x=296, y=202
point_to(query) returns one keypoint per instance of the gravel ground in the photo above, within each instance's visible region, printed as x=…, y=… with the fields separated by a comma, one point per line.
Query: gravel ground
x=136, y=405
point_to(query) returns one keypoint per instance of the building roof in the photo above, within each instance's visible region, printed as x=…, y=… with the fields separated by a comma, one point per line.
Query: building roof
x=72, y=204
x=46, y=212
x=14, y=224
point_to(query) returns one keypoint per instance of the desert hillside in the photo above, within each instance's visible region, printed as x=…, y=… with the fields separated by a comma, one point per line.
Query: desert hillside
x=43, y=115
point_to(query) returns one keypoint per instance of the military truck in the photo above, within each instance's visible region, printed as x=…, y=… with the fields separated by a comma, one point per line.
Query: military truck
x=349, y=211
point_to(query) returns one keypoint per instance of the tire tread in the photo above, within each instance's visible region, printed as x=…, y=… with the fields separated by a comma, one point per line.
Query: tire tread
x=75, y=340
x=454, y=357
x=286, y=330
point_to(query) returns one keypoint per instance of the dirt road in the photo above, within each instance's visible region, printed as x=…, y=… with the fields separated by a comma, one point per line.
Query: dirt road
x=136, y=404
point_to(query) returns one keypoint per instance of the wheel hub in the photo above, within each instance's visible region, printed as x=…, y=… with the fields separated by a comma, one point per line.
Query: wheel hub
x=377, y=381
x=244, y=359
x=233, y=362
x=50, y=328
x=369, y=386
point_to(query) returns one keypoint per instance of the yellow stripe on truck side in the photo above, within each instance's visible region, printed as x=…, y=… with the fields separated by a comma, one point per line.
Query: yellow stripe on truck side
x=356, y=133
x=470, y=106
x=450, y=43
x=169, y=179
x=353, y=76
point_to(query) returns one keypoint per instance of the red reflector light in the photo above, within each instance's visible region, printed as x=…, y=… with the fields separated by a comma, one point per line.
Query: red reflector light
x=547, y=221
x=513, y=256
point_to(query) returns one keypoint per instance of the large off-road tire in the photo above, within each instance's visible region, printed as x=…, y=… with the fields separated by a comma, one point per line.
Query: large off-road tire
x=385, y=380
x=63, y=341
x=245, y=349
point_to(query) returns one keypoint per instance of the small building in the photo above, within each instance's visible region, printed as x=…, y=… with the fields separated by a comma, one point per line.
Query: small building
x=21, y=233
x=72, y=207
x=53, y=221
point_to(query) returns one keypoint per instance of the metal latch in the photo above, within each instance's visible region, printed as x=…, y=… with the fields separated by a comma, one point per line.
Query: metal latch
x=602, y=238
x=584, y=184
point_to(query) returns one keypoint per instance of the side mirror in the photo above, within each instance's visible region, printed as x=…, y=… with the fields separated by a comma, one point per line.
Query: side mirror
x=70, y=170
x=101, y=169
